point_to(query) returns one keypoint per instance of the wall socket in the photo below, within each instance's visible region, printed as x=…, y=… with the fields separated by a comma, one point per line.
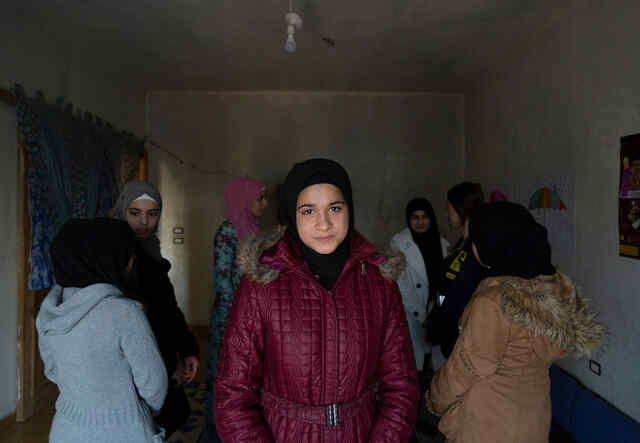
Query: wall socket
x=594, y=367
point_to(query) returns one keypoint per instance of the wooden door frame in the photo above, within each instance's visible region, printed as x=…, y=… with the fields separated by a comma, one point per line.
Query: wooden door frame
x=28, y=400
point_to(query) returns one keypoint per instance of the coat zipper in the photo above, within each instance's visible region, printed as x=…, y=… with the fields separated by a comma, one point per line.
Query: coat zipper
x=334, y=429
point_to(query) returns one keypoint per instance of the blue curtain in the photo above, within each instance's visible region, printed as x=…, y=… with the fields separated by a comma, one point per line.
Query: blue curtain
x=75, y=170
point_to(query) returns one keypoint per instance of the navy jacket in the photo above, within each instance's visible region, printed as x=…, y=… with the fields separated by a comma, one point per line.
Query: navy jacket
x=462, y=275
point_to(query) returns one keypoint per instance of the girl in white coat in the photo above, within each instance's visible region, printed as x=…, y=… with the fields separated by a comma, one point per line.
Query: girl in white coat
x=424, y=249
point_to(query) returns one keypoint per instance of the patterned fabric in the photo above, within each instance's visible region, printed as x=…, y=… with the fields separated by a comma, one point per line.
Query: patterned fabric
x=191, y=430
x=41, y=275
x=74, y=170
x=226, y=278
x=42, y=197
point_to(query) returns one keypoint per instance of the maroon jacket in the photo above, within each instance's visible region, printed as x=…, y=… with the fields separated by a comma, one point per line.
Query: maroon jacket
x=292, y=338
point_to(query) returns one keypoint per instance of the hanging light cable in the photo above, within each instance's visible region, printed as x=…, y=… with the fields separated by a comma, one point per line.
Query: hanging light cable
x=293, y=21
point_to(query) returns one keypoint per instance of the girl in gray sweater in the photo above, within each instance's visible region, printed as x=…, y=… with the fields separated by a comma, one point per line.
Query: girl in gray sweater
x=96, y=342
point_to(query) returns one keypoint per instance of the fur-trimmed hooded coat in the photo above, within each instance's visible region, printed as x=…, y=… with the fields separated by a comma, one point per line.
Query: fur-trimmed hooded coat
x=291, y=338
x=495, y=385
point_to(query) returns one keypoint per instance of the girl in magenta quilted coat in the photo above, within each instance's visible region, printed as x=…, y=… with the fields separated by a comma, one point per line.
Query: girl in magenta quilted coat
x=317, y=347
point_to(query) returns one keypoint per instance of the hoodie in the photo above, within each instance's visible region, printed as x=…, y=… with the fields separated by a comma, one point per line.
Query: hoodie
x=98, y=348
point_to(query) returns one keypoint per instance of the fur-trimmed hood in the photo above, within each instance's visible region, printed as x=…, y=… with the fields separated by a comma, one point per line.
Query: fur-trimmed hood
x=262, y=258
x=550, y=307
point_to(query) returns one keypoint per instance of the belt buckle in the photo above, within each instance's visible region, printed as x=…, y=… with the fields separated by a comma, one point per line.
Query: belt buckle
x=332, y=414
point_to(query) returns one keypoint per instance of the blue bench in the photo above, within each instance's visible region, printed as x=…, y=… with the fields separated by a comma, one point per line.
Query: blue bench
x=584, y=416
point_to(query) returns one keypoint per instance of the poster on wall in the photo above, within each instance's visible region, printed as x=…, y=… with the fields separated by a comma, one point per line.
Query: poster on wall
x=629, y=196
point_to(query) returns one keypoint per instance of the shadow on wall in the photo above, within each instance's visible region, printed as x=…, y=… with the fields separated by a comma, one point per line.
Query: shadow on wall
x=194, y=202
x=191, y=202
x=394, y=146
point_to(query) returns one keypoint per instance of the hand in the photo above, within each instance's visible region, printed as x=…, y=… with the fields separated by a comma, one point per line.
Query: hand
x=179, y=374
x=190, y=365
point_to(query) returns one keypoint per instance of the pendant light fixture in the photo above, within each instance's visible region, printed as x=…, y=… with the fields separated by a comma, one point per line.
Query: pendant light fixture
x=293, y=21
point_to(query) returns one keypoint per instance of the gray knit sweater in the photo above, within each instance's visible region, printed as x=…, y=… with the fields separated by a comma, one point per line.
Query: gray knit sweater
x=98, y=348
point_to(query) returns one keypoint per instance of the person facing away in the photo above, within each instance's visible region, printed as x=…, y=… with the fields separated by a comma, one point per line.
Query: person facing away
x=461, y=274
x=95, y=340
x=495, y=385
x=245, y=201
x=424, y=249
x=317, y=346
x=140, y=205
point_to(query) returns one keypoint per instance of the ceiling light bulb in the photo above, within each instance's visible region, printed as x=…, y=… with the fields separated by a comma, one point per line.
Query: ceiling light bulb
x=293, y=22
x=290, y=44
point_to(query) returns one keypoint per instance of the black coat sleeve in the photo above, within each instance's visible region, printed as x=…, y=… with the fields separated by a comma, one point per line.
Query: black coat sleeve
x=169, y=326
x=462, y=275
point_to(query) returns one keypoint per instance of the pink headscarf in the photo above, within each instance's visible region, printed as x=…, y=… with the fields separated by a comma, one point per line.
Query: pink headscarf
x=239, y=195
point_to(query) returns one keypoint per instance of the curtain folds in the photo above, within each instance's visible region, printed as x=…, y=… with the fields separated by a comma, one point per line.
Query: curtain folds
x=77, y=166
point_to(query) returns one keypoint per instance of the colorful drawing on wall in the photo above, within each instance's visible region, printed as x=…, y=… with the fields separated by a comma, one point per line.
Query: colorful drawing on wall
x=497, y=196
x=545, y=198
x=629, y=197
x=549, y=197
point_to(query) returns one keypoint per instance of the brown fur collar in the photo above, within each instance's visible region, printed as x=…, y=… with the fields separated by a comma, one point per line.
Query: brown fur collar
x=550, y=306
x=252, y=248
x=393, y=266
x=250, y=251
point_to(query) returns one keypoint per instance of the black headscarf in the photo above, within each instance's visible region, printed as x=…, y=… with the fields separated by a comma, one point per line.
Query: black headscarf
x=428, y=242
x=319, y=170
x=510, y=241
x=87, y=252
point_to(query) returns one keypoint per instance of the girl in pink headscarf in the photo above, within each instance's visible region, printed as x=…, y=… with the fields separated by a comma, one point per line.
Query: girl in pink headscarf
x=245, y=201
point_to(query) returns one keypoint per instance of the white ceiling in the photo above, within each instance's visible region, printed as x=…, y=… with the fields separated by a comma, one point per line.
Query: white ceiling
x=410, y=45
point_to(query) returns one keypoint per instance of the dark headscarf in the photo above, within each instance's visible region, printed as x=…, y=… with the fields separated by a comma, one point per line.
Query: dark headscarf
x=428, y=242
x=510, y=241
x=131, y=191
x=464, y=197
x=87, y=252
x=311, y=172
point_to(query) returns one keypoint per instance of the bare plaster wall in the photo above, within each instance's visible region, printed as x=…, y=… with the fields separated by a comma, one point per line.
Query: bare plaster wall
x=559, y=107
x=395, y=146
